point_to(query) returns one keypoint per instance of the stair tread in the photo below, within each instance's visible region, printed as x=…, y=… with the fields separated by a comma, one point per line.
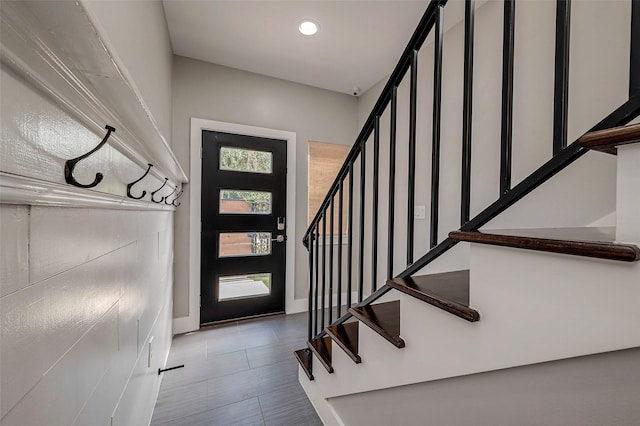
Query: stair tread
x=589, y=242
x=448, y=291
x=346, y=336
x=607, y=140
x=304, y=358
x=321, y=347
x=383, y=318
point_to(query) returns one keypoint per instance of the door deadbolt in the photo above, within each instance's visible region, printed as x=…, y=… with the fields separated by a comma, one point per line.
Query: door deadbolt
x=279, y=239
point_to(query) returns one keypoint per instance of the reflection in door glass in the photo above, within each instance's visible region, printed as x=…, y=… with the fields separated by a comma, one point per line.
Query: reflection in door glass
x=238, y=244
x=245, y=160
x=244, y=286
x=244, y=202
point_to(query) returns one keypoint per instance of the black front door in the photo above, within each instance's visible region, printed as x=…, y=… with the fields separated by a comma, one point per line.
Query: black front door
x=243, y=226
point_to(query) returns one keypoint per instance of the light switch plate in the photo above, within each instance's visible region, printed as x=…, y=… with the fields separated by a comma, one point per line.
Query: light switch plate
x=419, y=212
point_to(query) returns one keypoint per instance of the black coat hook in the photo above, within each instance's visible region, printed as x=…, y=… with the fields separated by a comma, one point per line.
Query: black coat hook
x=69, y=165
x=169, y=195
x=130, y=185
x=177, y=196
x=157, y=190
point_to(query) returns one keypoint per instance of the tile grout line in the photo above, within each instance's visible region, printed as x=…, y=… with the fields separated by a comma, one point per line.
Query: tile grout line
x=261, y=411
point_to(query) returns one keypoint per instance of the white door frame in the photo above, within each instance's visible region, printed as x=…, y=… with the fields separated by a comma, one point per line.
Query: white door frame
x=192, y=322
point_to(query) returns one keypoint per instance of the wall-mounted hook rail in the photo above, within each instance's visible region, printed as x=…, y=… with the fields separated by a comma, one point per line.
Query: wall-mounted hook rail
x=176, y=199
x=169, y=195
x=69, y=165
x=130, y=185
x=158, y=190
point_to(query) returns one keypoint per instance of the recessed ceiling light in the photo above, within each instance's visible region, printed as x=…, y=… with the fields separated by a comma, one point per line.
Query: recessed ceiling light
x=308, y=27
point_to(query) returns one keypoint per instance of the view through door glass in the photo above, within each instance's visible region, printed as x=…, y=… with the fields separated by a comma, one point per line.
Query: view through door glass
x=243, y=226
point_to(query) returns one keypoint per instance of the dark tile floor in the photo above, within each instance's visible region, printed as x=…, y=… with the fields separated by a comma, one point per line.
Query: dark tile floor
x=241, y=373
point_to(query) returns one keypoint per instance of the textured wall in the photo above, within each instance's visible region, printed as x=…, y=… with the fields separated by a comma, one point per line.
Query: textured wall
x=82, y=292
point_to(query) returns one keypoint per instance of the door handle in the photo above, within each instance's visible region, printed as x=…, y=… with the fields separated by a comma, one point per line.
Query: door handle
x=279, y=239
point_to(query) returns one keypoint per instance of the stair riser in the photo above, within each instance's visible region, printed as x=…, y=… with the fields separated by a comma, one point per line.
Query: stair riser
x=549, y=306
x=628, y=194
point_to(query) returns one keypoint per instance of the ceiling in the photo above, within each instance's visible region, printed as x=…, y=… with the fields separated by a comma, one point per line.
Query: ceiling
x=358, y=44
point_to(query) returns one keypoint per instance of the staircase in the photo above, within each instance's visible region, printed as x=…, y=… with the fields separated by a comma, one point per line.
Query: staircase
x=528, y=296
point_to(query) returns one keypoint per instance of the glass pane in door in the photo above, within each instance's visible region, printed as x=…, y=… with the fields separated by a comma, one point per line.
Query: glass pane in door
x=245, y=160
x=244, y=202
x=243, y=286
x=238, y=244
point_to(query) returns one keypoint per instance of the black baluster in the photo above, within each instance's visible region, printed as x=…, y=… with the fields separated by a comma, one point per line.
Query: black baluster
x=340, y=201
x=310, y=301
x=412, y=155
x=324, y=266
x=374, y=213
x=561, y=76
x=317, y=253
x=392, y=180
x=634, y=63
x=435, y=139
x=363, y=159
x=350, y=238
x=331, y=260
x=508, y=41
x=467, y=105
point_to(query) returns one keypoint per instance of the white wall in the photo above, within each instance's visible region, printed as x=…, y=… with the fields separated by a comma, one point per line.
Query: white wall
x=218, y=93
x=138, y=33
x=628, y=201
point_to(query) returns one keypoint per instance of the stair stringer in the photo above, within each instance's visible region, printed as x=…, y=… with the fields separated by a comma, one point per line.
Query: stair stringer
x=534, y=307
